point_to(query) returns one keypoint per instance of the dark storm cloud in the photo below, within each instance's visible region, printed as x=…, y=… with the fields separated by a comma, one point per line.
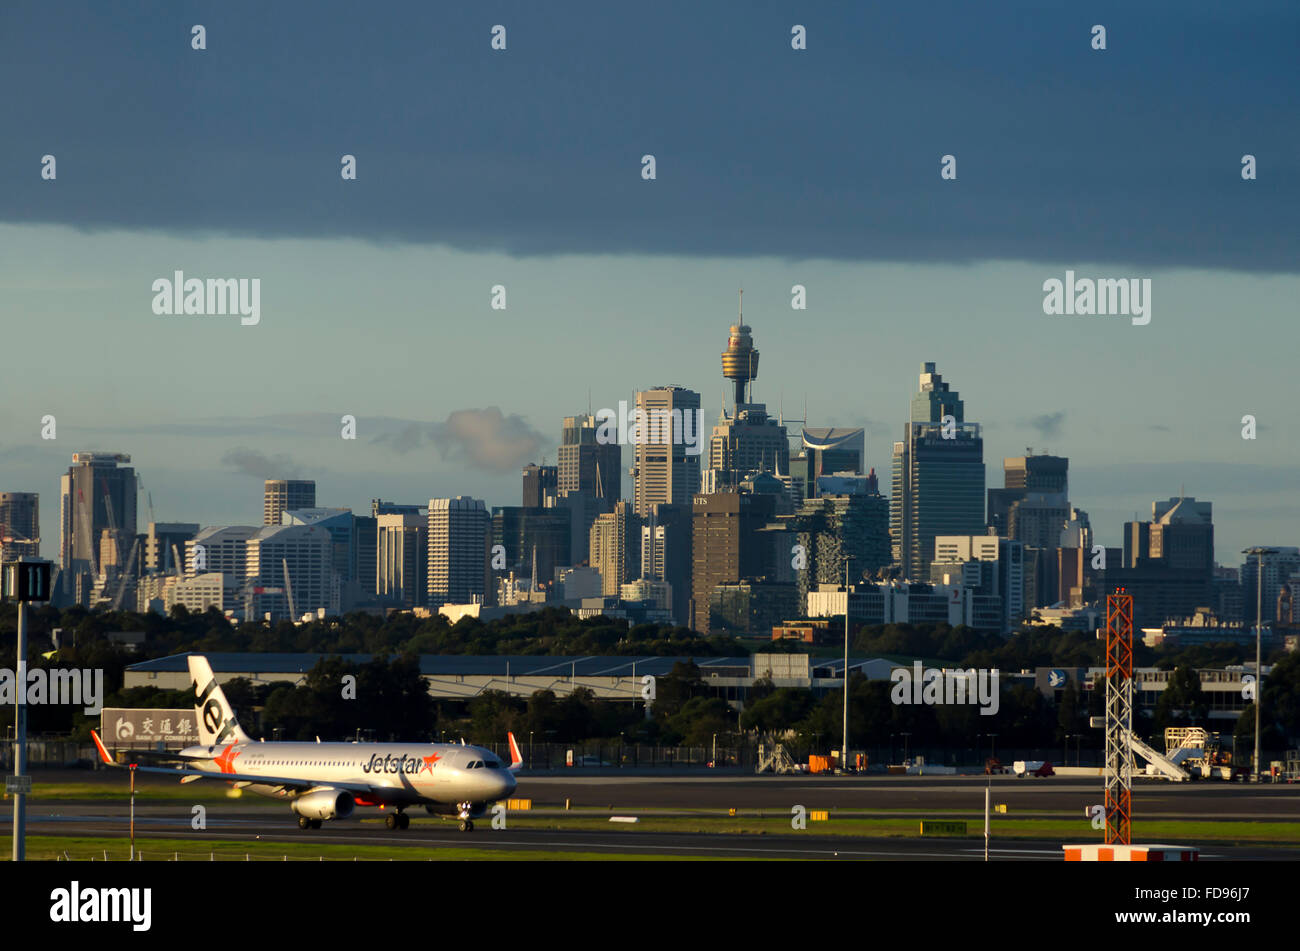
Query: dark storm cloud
x=1064, y=153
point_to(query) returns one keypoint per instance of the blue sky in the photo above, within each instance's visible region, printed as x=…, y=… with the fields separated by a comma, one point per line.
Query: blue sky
x=522, y=168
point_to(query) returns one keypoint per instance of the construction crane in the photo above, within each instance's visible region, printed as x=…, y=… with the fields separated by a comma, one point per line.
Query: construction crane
x=85, y=524
x=288, y=589
x=125, y=574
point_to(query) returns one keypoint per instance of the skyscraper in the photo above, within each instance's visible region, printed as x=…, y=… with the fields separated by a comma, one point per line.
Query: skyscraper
x=724, y=546
x=615, y=547
x=664, y=470
x=458, y=550
x=541, y=485
x=587, y=466
x=938, y=484
x=20, y=525
x=402, y=569
x=98, y=493
x=666, y=554
x=1044, y=478
x=280, y=495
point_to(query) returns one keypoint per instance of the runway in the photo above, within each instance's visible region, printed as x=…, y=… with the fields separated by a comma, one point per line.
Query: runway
x=595, y=796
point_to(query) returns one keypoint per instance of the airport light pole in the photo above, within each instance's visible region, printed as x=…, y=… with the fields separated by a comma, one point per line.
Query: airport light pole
x=24, y=580
x=844, y=748
x=1259, y=553
x=904, y=736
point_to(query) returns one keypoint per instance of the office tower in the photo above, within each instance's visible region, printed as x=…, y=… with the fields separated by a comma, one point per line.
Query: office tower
x=533, y=537
x=164, y=544
x=724, y=546
x=307, y=553
x=459, y=530
x=831, y=451
x=222, y=549
x=402, y=559
x=97, y=493
x=748, y=440
x=280, y=495
x=1043, y=478
x=588, y=466
x=666, y=554
x=666, y=463
x=615, y=547
x=353, y=549
x=1168, y=562
x=541, y=486
x=1278, y=569
x=20, y=525
x=938, y=483
x=989, y=565
x=832, y=528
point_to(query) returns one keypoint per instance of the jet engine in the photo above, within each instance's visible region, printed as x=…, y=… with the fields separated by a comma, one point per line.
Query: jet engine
x=324, y=803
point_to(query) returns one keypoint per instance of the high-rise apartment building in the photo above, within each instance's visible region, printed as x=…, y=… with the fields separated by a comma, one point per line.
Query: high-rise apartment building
x=666, y=467
x=459, y=532
x=938, y=483
x=280, y=495
x=20, y=525
x=98, y=493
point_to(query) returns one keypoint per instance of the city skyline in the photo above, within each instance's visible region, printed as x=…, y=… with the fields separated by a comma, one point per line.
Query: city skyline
x=821, y=168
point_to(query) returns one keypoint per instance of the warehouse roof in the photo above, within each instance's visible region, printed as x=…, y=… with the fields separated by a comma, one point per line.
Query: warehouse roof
x=459, y=664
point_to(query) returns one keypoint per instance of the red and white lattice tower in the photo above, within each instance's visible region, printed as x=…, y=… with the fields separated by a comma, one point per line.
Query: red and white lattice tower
x=1119, y=717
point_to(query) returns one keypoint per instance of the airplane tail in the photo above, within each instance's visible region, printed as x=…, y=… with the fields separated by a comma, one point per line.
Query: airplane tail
x=217, y=722
x=516, y=758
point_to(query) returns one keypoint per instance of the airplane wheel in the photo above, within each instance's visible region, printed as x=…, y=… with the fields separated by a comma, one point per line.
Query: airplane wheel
x=304, y=822
x=405, y=820
x=392, y=820
x=315, y=823
x=466, y=825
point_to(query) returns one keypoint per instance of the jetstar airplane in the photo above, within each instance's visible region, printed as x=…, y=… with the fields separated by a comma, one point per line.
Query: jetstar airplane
x=328, y=780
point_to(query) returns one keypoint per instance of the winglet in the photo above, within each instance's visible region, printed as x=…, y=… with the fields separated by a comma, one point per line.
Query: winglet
x=103, y=753
x=516, y=758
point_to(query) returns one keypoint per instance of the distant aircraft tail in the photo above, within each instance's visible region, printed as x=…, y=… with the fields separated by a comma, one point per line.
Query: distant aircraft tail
x=516, y=758
x=217, y=723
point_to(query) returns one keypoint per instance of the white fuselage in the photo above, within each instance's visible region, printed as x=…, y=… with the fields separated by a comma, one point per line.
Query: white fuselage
x=439, y=775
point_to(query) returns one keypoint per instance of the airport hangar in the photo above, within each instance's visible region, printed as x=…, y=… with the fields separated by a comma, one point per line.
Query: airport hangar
x=465, y=676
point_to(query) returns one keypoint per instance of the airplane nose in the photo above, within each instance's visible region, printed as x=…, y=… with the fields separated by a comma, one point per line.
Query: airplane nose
x=508, y=785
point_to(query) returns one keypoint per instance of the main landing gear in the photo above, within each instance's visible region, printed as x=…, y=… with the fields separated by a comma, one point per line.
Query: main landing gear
x=397, y=820
x=305, y=823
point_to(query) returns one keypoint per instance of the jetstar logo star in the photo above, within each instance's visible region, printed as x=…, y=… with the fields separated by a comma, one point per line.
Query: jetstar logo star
x=225, y=762
x=429, y=761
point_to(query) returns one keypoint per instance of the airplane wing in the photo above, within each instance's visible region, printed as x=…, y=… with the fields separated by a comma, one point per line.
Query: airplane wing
x=516, y=758
x=190, y=775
